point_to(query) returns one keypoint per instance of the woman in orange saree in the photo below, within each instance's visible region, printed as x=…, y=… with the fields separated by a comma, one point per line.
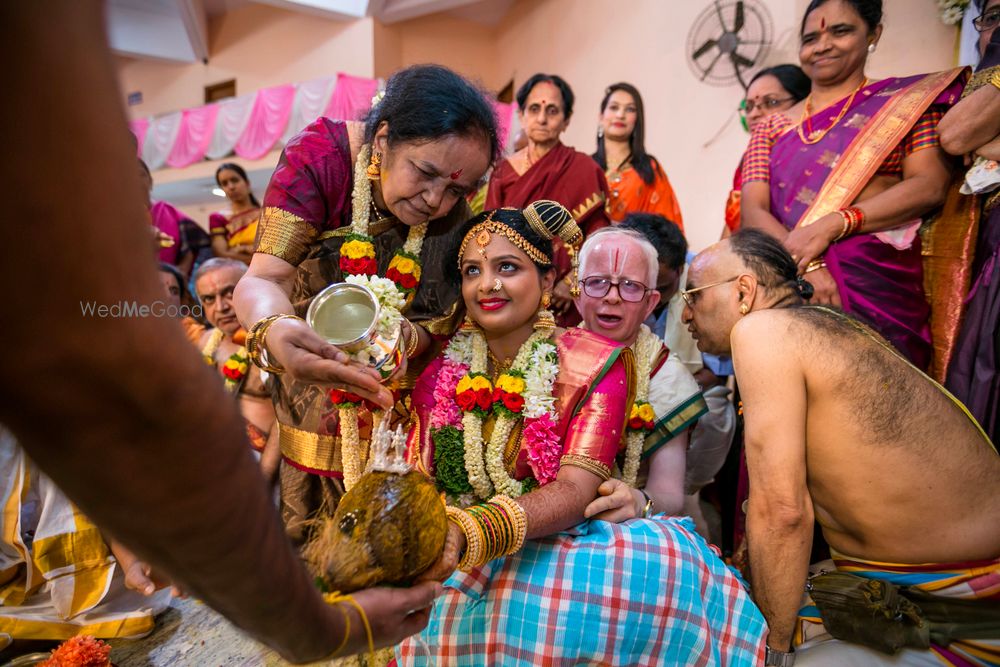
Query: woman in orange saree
x=636, y=181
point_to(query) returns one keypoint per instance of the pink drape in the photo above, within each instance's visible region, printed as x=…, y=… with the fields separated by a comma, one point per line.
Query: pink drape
x=503, y=112
x=352, y=97
x=138, y=128
x=194, y=135
x=267, y=121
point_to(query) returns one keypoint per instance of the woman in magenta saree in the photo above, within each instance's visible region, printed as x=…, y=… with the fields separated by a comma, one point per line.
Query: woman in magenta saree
x=846, y=187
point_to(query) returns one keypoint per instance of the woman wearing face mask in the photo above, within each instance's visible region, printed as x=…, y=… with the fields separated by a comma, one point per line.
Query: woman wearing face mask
x=845, y=177
x=401, y=178
x=771, y=90
x=636, y=181
x=233, y=231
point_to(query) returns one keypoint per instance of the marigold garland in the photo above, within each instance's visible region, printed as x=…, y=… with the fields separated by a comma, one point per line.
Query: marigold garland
x=234, y=369
x=642, y=419
x=359, y=265
x=523, y=392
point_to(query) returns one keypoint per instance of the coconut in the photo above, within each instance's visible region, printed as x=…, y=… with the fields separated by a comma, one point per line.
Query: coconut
x=387, y=529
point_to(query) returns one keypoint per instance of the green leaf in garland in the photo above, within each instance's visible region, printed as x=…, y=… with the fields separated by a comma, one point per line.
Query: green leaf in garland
x=528, y=484
x=449, y=461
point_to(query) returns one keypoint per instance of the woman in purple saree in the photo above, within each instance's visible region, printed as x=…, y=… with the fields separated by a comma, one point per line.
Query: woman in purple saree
x=846, y=187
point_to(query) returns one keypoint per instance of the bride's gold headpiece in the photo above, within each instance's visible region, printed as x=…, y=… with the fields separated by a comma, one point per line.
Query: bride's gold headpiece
x=549, y=219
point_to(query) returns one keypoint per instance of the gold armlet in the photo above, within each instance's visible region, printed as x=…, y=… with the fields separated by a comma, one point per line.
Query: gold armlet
x=588, y=464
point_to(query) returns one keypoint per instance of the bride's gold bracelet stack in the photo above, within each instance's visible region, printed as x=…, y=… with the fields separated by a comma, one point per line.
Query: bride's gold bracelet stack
x=492, y=530
x=256, y=342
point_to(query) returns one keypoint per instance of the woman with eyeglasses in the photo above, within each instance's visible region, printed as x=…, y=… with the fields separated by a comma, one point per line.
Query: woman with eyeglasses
x=846, y=177
x=972, y=127
x=771, y=90
x=636, y=181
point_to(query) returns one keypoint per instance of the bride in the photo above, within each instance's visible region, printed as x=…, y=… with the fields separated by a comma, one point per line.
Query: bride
x=519, y=422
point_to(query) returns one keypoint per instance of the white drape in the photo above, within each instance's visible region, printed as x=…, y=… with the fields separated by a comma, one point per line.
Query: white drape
x=234, y=114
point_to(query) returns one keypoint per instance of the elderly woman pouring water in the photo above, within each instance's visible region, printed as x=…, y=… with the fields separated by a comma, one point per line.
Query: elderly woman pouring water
x=358, y=199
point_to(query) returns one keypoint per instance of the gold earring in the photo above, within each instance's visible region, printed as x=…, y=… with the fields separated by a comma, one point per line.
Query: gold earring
x=546, y=320
x=744, y=308
x=374, y=169
x=468, y=324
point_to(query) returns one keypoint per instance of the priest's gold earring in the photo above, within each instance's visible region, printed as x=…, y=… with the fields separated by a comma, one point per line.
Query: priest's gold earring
x=744, y=308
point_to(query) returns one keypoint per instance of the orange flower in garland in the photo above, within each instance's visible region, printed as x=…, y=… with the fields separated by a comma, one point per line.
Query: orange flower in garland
x=357, y=255
x=642, y=416
x=474, y=393
x=80, y=651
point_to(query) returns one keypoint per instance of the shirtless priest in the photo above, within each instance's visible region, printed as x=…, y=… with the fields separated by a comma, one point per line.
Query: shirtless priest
x=839, y=427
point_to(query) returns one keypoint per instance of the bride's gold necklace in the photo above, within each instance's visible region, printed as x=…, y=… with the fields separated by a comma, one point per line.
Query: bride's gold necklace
x=499, y=367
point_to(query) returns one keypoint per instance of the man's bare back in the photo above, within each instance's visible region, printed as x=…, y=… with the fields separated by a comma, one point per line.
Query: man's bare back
x=896, y=471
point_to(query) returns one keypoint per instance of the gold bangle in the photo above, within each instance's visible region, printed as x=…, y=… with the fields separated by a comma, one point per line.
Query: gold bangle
x=518, y=517
x=589, y=464
x=474, y=538
x=252, y=341
x=413, y=341
x=256, y=342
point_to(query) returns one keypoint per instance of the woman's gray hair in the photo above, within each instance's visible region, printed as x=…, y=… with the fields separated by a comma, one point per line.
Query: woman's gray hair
x=607, y=234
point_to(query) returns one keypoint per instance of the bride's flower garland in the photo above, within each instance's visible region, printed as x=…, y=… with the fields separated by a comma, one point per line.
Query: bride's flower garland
x=464, y=397
x=359, y=266
x=642, y=419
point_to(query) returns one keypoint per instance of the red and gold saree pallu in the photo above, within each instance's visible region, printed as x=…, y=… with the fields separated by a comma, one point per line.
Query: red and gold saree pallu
x=879, y=281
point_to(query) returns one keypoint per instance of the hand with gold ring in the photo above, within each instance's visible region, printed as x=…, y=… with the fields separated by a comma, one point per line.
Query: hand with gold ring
x=807, y=243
